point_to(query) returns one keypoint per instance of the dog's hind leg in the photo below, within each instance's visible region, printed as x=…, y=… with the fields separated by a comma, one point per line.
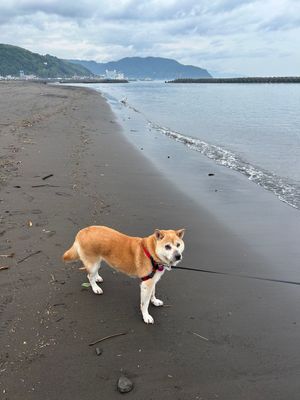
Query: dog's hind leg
x=93, y=277
x=156, y=302
x=146, y=291
x=98, y=278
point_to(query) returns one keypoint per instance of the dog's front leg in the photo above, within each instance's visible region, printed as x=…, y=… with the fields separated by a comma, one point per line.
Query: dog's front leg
x=146, y=291
x=156, y=302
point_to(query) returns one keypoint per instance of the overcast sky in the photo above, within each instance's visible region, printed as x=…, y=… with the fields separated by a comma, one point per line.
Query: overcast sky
x=233, y=36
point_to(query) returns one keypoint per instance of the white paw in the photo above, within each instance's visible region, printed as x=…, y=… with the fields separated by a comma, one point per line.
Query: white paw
x=99, y=278
x=157, y=303
x=97, y=289
x=148, y=319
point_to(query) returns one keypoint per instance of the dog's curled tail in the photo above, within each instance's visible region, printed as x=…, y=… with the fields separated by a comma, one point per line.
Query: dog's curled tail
x=71, y=254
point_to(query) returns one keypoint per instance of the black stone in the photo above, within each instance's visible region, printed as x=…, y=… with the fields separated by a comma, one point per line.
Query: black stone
x=124, y=384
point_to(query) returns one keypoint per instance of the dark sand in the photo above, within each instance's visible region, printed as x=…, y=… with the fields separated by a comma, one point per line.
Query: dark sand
x=248, y=346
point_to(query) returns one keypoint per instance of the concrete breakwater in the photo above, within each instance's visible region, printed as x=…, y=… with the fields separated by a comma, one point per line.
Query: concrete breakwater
x=272, y=79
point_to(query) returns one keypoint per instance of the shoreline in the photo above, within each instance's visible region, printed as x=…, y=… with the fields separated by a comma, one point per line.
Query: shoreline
x=248, y=210
x=136, y=123
x=48, y=319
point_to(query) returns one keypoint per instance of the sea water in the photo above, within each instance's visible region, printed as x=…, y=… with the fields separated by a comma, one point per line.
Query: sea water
x=253, y=129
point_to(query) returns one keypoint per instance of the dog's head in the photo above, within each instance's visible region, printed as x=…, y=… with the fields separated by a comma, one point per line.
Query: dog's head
x=169, y=246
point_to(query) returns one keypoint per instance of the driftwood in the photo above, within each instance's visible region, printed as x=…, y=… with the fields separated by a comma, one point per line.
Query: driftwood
x=7, y=255
x=29, y=255
x=44, y=185
x=47, y=176
x=201, y=337
x=107, y=337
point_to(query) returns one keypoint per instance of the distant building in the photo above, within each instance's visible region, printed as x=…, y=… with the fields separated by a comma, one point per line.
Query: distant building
x=25, y=77
x=31, y=76
x=113, y=74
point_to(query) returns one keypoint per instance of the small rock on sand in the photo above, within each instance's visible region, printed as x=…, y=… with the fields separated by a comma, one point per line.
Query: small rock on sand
x=124, y=384
x=98, y=351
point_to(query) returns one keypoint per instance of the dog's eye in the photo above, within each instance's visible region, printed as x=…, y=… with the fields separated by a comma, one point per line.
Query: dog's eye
x=167, y=247
x=177, y=244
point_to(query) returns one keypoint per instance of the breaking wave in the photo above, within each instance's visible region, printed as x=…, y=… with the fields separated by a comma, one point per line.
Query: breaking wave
x=283, y=188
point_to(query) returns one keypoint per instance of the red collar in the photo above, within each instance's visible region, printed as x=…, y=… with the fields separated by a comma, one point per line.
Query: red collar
x=155, y=266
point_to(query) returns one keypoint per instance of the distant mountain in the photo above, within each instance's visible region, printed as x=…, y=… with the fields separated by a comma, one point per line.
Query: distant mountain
x=13, y=59
x=148, y=67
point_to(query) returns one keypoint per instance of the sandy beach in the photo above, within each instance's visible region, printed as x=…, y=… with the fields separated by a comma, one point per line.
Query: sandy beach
x=65, y=164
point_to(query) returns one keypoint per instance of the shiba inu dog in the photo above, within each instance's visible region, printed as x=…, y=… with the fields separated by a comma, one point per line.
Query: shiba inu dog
x=145, y=258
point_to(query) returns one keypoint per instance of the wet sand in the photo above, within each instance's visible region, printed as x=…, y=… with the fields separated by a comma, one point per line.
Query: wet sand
x=218, y=336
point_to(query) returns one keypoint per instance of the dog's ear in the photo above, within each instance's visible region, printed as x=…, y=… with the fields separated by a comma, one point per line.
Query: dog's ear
x=158, y=234
x=180, y=233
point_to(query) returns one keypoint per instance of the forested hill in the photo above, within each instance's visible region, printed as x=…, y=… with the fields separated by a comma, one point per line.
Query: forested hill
x=13, y=59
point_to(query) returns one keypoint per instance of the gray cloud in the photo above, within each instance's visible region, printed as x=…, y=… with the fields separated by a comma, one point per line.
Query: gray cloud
x=280, y=23
x=210, y=33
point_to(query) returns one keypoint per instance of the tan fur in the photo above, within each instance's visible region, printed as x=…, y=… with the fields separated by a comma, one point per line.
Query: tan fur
x=71, y=254
x=123, y=253
x=126, y=254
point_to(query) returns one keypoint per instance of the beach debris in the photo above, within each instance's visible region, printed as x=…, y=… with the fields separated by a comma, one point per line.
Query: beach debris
x=86, y=284
x=63, y=194
x=98, y=351
x=168, y=156
x=47, y=176
x=58, y=304
x=36, y=211
x=107, y=337
x=7, y=255
x=124, y=384
x=4, y=267
x=49, y=233
x=17, y=187
x=29, y=255
x=211, y=174
x=201, y=337
x=30, y=223
x=44, y=185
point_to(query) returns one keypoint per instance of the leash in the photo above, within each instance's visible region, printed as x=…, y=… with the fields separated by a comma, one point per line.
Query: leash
x=207, y=271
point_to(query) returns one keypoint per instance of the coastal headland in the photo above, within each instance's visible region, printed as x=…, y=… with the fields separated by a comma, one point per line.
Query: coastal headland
x=65, y=164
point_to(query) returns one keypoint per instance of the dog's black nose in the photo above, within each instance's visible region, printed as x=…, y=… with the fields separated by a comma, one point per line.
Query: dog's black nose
x=178, y=257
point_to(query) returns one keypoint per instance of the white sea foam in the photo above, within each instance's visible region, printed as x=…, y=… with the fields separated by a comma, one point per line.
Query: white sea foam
x=285, y=190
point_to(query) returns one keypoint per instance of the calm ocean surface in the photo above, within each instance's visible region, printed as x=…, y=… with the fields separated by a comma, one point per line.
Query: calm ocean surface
x=253, y=129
